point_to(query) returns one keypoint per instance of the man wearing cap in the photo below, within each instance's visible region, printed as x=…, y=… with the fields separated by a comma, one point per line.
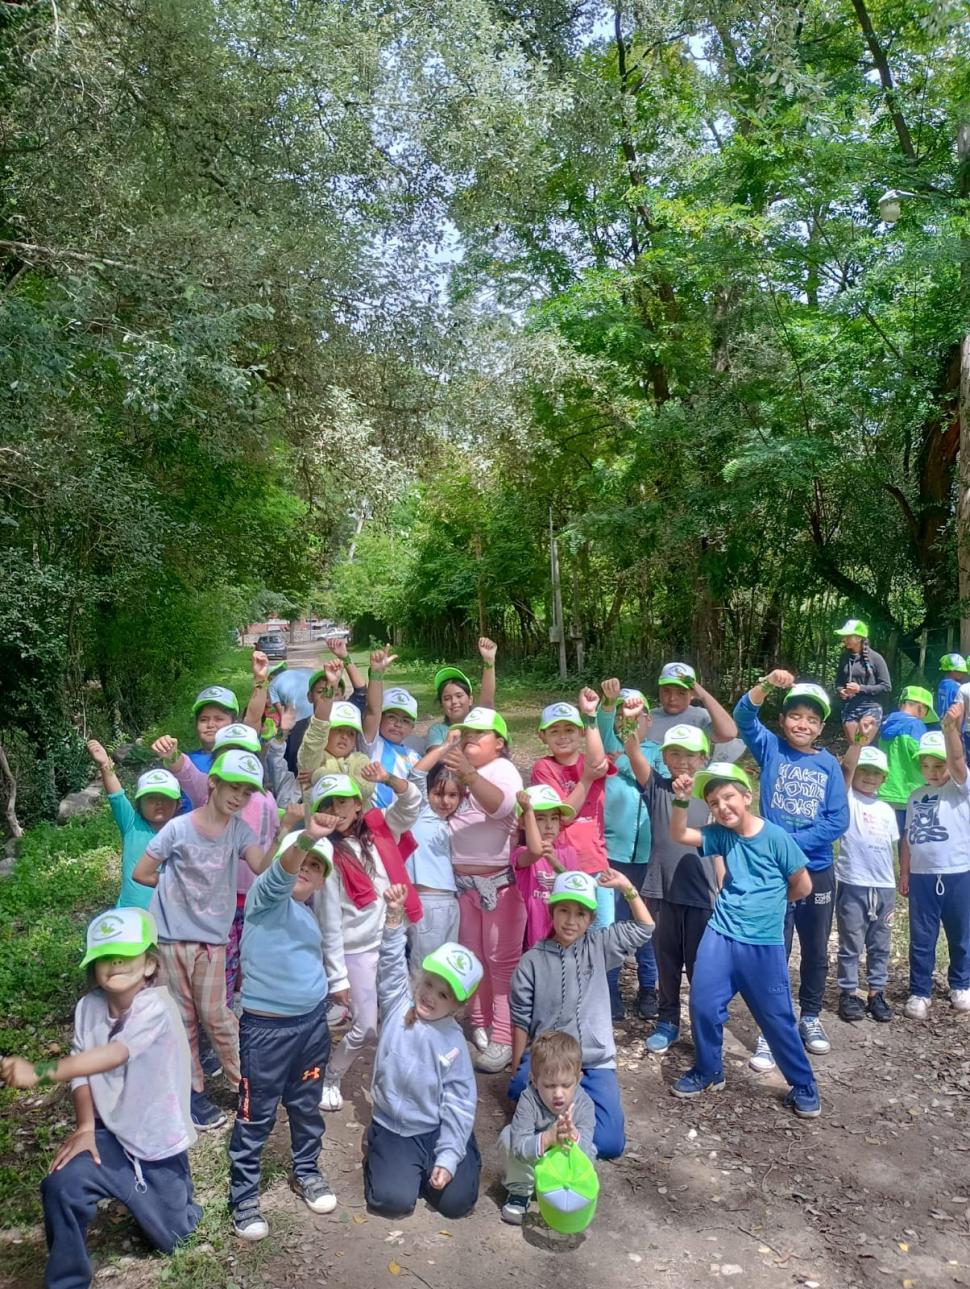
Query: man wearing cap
x=680, y=692
x=862, y=676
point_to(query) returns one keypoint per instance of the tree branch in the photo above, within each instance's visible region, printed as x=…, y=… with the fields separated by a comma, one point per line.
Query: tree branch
x=886, y=79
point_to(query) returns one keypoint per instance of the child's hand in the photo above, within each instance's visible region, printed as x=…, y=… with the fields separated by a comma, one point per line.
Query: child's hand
x=81, y=1142
x=166, y=747
x=395, y=896
x=381, y=660
x=632, y=709
x=594, y=770
x=524, y=801
x=780, y=679
x=337, y=646
x=952, y=717
x=868, y=729
x=683, y=787
x=320, y=825
x=304, y=778
x=15, y=1072
x=487, y=649
x=374, y=773
x=292, y=817
x=611, y=691
x=549, y=855
x=287, y=717
x=98, y=755
x=588, y=701
x=453, y=736
x=455, y=759
x=333, y=669
x=566, y=1133
x=439, y=1179
x=613, y=880
x=260, y=665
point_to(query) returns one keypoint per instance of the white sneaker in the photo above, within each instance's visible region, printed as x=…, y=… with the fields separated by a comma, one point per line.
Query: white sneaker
x=330, y=1098
x=762, y=1061
x=494, y=1059
x=917, y=1008
x=480, y=1038
x=249, y=1224
x=960, y=1000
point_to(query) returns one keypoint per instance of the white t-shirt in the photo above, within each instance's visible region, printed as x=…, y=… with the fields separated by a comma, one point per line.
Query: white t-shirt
x=938, y=828
x=866, y=850
x=144, y=1102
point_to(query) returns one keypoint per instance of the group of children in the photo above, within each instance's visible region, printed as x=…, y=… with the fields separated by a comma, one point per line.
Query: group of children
x=289, y=874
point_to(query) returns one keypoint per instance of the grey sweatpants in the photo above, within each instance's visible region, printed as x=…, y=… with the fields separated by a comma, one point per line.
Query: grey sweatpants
x=438, y=925
x=864, y=915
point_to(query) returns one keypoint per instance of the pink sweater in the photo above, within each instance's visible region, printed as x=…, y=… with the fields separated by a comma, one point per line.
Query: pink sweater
x=480, y=840
x=259, y=812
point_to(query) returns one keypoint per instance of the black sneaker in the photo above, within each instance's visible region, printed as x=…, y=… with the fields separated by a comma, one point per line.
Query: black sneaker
x=648, y=1007
x=515, y=1208
x=205, y=1115
x=315, y=1192
x=878, y=1008
x=851, y=1006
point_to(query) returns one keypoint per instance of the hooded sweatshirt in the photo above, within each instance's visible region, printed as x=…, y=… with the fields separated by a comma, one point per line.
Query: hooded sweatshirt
x=899, y=738
x=567, y=989
x=532, y=1117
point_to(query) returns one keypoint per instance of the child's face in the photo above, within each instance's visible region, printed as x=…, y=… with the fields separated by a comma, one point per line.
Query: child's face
x=433, y=999
x=549, y=823
x=121, y=975
x=557, y=1088
x=729, y=804
x=868, y=780
x=481, y=746
x=341, y=741
x=570, y=921
x=346, y=809
x=933, y=770
x=679, y=761
x=674, y=699
x=156, y=809
x=396, y=726
x=209, y=721
x=801, y=725
x=455, y=703
x=229, y=798
x=445, y=798
x=313, y=872
x=563, y=740
x=919, y=710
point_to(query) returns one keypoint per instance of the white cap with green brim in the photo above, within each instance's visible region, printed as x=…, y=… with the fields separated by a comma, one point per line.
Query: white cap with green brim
x=238, y=767
x=399, y=700
x=574, y=886
x=544, y=796
x=560, y=712
x=217, y=696
x=458, y=966
x=689, y=737
x=873, y=758
x=677, y=673
x=334, y=785
x=954, y=662
x=635, y=693
x=807, y=692
x=345, y=716
x=120, y=933
x=483, y=720
x=931, y=744
x=853, y=627
x=238, y=735
x=725, y=771
x=322, y=849
x=160, y=782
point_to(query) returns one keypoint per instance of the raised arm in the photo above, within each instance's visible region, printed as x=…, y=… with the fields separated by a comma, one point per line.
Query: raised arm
x=380, y=660
x=605, y=715
x=679, y=830
x=393, y=981
x=434, y=755
x=256, y=707
x=106, y=767
x=867, y=730
x=723, y=727
x=535, y=846
x=630, y=716
x=955, y=756
x=487, y=650
x=748, y=718
x=340, y=649
x=406, y=806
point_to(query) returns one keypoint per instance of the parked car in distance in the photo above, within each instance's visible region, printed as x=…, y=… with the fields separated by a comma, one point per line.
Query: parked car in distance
x=273, y=645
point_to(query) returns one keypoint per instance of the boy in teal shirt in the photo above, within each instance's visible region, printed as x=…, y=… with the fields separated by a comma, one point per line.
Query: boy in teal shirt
x=157, y=797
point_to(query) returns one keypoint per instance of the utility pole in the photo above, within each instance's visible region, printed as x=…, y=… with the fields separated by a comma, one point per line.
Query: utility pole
x=557, y=634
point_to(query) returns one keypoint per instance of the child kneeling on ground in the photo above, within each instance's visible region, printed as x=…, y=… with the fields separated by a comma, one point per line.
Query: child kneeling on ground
x=284, y=1040
x=562, y=984
x=553, y=1110
x=742, y=950
x=130, y=1079
x=421, y=1140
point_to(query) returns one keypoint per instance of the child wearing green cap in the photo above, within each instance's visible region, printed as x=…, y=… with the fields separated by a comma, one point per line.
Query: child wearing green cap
x=899, y=737
x=334, y=739
x=547, y=851
x=129, y=1077
x=157, y=800
x=954, y=672
x=421, y=1139
x=861, y=677
x=214, y=707
x=453, y=691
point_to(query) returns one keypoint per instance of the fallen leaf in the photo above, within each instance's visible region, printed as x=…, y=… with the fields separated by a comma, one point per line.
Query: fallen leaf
x=394, y=1268
x=448, y=1233
x=358, y=1219
x=903, y=1247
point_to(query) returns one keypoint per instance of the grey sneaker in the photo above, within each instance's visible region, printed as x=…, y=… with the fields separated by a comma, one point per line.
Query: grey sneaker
x=761, y=1060
x=315, y=1192
x=515, y=1208
x=249, y=1223
x=814, y=1036
x=494, y=1059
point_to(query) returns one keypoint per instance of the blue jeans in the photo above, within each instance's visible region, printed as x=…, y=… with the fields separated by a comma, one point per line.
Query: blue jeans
x=397, y=1169
x=603, y=1089
x=646, y=960
x=936, y=898
x=759, y=973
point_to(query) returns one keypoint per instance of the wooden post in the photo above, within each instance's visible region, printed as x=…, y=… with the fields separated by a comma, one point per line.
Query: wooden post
x=558, y=633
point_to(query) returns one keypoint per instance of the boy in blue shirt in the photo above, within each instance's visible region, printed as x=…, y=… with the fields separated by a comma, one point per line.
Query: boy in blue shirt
x=284, y=1040
x=954, y=672
x=742, y=949
x=803, y=792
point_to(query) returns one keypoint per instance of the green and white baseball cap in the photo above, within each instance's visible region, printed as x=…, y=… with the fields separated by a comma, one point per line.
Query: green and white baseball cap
x=322, y=849
x=161, y=782
x=931, y=744
x=120, y=933
x=560, y=712
x=484, y=719
x=917, y=694
x=954, y=662
x=399, y=700
x=238, y=735
x=873, y=758
x=808, y=692
x=345, y=716
x=238, y=767
x=276, y=668
x=677, y=673
x=689, y=737
x=218, y=696
x=635, y=693
x=334, y=785
x=314, y=677
x=567, y=1189
x=853, y=627
x=545, y=797
x=444, y=674
x=458, y=966
x=720, y=770
x=574, y=886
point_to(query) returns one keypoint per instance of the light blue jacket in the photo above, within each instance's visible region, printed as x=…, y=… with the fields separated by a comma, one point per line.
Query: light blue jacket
x=627, y=819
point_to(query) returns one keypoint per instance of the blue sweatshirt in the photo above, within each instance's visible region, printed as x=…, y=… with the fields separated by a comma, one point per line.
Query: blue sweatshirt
x=626, y=817
x=801, y=792
x=947, y=693
x=423, y=1077
x=282, y=957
